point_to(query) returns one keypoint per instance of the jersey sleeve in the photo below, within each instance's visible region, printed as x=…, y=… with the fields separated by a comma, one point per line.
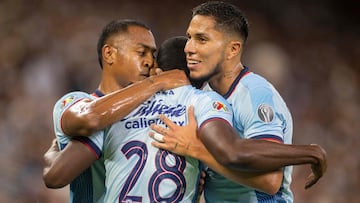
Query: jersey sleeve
x=209, y=105
x=94, y=142
x=260, y=116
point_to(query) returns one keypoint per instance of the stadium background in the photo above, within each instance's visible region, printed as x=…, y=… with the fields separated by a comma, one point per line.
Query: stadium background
x=309, y=49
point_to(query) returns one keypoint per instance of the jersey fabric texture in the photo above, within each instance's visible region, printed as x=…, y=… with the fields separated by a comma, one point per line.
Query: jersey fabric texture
x=138, y=172
x=259, y=113
x=89, y=186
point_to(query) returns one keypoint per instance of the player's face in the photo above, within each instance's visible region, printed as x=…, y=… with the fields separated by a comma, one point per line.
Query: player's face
x=135, y=55
x=205, y=48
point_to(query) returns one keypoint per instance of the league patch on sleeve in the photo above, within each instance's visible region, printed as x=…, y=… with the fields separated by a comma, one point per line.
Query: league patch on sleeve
x=265, y=113
x=219, y=106
x=67, y=101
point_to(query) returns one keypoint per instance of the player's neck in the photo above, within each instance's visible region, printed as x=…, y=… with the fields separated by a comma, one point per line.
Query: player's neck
x=108, y=85
x=225, y=79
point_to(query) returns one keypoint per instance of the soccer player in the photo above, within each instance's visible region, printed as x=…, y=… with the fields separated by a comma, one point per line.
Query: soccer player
x=216, y=36
x=79, y=113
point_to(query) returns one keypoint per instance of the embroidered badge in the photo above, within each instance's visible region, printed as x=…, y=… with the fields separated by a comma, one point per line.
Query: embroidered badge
x=67, y=100
x=265, y=113
x=219, y=106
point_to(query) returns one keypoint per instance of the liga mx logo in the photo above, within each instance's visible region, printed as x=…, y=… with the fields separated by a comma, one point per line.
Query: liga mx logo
x=67, y=101
x=265, y=113
x=219, y=106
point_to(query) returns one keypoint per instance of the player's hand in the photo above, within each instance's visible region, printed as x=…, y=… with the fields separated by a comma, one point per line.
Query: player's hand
x=54, y=147
x=177, y=139
x=50, y=154
x=171, y=79
x=318, y=169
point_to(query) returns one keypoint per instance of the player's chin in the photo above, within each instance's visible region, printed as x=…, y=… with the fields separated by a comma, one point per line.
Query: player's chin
x=195, y=75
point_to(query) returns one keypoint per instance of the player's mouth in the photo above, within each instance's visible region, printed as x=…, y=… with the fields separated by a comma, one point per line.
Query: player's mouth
x=192, y=63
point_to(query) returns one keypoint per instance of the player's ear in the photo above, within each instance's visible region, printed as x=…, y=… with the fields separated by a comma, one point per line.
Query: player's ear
x=234, y=49
x=109, y=54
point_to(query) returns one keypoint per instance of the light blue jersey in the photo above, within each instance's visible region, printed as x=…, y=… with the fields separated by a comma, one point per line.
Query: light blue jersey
x=259, y=113
x=138, y=172
x=89, y=186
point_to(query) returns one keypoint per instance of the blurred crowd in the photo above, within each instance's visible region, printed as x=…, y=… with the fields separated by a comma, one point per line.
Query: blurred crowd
x=308, y=49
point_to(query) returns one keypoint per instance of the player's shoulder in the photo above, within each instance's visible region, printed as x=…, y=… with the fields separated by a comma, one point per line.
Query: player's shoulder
x=255, y=84
x=253, y=80
x=199, y=97
x=213, y=99
x=211, y=94
x=70, y=98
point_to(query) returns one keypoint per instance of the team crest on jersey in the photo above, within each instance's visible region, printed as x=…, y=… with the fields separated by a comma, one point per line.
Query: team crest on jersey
x=265, y=113
x=67, y=100
x=219, y=106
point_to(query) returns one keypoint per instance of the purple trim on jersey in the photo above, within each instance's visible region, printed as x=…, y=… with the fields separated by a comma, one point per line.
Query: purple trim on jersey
x=268, y=137
x=88, y=143
x=98, y=93
x=238, y=78
x=212, y=119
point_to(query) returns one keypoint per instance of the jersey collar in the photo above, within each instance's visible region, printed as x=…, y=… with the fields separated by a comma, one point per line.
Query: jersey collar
x=236, y=81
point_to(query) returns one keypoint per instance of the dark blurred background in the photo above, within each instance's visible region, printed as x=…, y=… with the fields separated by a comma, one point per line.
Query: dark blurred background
x=308, y=49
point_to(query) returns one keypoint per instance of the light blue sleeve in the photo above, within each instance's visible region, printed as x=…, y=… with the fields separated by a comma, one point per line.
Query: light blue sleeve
x=94, y=141
x=210, y=105
x=260, y=116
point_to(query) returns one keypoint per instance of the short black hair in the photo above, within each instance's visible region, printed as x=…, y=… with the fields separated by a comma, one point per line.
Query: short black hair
x=113, y=28
x=227, y=16
x=171, y=55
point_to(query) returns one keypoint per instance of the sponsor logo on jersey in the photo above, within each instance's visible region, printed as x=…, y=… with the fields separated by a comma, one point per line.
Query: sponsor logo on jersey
x=67, y=100
x=157, y=107
x=219, y=106
x=148, y=113
x=168, y=92
x=265, y=113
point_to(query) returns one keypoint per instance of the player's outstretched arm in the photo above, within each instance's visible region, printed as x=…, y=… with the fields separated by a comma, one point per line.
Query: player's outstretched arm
x=88, y=116
x=59, y=166
x=240, y=154
x=195, y=148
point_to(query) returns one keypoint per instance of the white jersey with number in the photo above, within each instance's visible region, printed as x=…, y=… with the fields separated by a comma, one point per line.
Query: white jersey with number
x=138, y=172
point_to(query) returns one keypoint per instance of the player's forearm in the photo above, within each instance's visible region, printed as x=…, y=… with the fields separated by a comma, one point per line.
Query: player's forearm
x=102, y=112
x=48, y=172
x=117, y=105
x=83, y=120
x=64, y=166
x=266, y=156
x=267, y=182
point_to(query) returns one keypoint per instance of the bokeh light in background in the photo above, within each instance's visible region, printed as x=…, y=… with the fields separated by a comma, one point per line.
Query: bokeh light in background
x=308, y=49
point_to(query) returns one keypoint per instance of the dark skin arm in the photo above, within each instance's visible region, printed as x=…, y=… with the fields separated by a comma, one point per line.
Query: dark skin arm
x=195, y=148
x=238, y=154
x=59, y=166
x=88, y=116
